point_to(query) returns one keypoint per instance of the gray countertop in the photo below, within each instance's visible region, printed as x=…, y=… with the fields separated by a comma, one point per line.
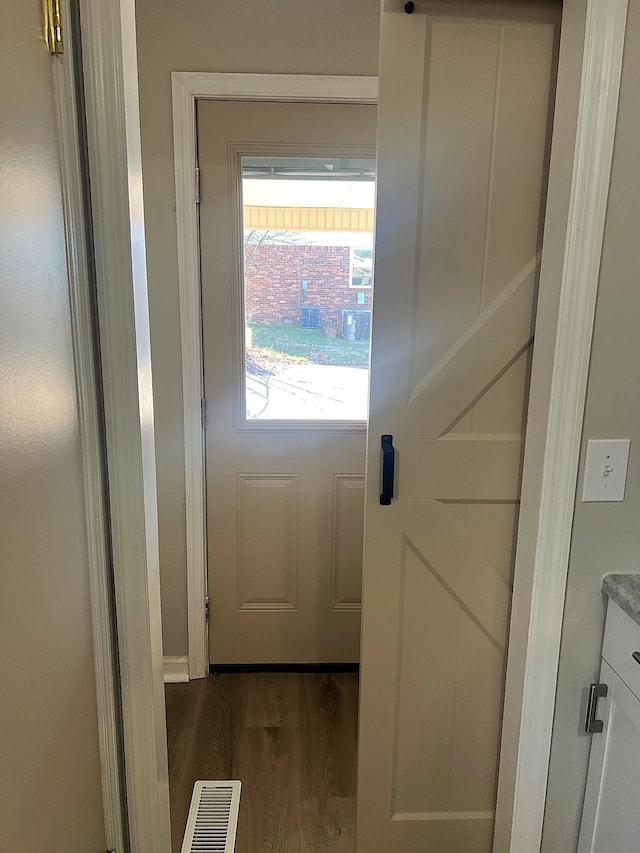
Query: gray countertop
x=625, y=591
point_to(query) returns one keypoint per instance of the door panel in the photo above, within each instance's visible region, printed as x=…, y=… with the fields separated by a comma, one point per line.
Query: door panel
x=267, y=515
x=285, y=499
x=608, y=823
x=348, y=521
x=462, y=146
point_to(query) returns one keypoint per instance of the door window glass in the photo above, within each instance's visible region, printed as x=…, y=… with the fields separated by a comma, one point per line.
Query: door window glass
x=308, y=286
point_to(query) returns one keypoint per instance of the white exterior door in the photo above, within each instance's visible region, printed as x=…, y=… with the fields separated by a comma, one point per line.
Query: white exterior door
x=286, y=293
x=463, y=138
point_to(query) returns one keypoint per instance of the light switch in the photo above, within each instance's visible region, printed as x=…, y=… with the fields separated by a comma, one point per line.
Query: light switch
x=605, y=469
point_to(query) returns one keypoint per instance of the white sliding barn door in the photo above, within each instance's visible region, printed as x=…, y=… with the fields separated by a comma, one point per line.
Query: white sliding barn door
x=463, y=141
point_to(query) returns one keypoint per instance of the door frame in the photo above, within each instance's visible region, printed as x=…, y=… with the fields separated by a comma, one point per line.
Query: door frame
x=68, y=113
x=111, y=150
x=187, y=88
x=569, y=274
x=580, y=167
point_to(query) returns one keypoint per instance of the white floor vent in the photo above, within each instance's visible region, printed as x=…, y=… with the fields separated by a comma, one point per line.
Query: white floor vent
x=213, y=818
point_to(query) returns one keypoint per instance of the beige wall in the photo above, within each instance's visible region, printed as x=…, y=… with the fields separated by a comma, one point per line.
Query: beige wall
x=279, y=36
x=50, y=796
x=606, y=536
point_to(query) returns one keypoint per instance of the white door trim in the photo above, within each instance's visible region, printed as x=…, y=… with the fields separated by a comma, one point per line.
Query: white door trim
x=187, y=87
x=176, y=669
x=108, y=31
x=534, y=646
x=64, y=68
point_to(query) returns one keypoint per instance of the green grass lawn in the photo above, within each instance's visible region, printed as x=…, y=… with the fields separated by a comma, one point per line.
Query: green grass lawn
x=310, y=345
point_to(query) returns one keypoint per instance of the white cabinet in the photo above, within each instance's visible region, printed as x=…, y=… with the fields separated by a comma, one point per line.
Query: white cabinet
x=611, y=813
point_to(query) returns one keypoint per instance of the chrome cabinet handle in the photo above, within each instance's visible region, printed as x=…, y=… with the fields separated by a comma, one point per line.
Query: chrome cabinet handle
x=591, y=725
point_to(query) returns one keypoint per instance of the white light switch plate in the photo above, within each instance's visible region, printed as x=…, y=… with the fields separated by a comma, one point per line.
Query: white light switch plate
x=605, y=469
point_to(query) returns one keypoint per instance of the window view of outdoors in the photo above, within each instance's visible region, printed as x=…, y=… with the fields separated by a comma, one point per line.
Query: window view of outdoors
x=308, y=279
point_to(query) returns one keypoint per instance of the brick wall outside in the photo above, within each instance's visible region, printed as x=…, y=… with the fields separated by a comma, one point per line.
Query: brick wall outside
x=274, y=294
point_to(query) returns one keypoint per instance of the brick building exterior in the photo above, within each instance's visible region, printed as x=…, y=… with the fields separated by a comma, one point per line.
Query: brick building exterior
x=284, y=283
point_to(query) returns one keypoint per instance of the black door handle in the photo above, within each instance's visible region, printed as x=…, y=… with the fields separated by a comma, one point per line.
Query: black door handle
x=387, y=465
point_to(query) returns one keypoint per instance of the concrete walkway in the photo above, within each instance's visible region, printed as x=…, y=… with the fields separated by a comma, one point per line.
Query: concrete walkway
x=309, y=392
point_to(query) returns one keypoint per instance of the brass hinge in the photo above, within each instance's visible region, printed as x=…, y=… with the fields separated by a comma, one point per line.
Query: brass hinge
x=53, y=26
x=197, y=185
x=206, y=609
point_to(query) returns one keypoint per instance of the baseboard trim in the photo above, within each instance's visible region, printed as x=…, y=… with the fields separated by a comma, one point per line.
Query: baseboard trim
x=219, y=668
x=176, y=669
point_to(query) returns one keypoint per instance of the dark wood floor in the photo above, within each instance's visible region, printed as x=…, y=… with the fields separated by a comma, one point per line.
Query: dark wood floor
x=289, y=737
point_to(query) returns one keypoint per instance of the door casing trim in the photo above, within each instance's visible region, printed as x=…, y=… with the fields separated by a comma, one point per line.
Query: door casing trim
x=64, y=68
x=555, y=433
x=114, y=157
x=187, y=87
